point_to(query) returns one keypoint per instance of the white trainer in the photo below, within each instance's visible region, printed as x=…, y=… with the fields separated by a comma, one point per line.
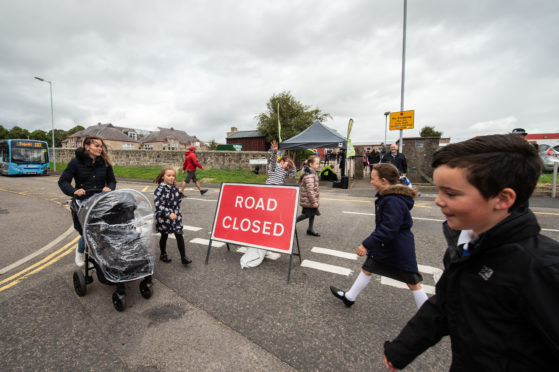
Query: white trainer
x=80, y=258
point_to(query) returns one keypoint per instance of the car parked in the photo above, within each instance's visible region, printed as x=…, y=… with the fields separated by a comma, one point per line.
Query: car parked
x=549, y=156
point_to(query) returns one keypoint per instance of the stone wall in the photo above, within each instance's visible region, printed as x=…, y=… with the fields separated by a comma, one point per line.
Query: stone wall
x=231, y=160
x=419, y=154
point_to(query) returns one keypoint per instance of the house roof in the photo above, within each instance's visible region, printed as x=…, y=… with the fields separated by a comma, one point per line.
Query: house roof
x=106, y=132
x=162, y=134
x=245, y=134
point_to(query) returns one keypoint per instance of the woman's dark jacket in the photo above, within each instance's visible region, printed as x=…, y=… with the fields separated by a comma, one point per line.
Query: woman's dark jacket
x=392, y=242
x=87, y=175
x=399, y=161
x=499, y=304
x=374, y=157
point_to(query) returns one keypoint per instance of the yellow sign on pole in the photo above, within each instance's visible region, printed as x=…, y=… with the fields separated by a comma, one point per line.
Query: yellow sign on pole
x=401, y=120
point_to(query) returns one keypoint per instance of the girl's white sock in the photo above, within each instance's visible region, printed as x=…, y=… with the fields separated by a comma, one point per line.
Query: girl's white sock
x=359, y=285
x=419, y=296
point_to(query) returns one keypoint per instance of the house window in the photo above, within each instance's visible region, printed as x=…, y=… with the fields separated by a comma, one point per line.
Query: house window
x=128, y=146
x=148, y=146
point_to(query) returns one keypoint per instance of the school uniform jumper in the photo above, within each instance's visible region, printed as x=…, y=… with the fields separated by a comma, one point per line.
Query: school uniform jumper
x=499, y=303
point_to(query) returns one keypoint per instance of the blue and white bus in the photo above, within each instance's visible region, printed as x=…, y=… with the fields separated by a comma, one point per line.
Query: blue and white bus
x=20, y=156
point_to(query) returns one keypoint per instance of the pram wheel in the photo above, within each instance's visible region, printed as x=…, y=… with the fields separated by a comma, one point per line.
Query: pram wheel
x=79, y=283
x=145, y=288
x=118, y=301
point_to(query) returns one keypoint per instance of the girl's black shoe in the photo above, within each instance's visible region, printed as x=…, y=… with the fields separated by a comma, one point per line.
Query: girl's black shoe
x=310, y=232
x=165, y=258
x=185, y=260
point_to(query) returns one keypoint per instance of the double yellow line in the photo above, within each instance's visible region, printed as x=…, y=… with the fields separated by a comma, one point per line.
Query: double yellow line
x=36, y=267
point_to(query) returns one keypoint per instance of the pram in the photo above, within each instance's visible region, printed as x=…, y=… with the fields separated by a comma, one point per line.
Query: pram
x=120, y=241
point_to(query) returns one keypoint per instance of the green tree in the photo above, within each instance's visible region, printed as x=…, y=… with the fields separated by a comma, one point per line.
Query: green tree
x=75, y=129
x=17, y=132
x=213, y=145
x=40, y=135
x=428, y=131
x=3, y=132
x=59, y=136
x=294, y=117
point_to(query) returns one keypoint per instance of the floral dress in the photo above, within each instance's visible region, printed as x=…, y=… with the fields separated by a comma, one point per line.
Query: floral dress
x=167, y=200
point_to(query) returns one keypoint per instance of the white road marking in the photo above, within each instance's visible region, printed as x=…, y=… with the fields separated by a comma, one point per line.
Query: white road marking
x=364, y=214
x=201, y=199
x=38, y=252
x=325, y=267
x=191, y=228
x=269, y=255
x=206, y=242
x=395, y=283
x=332, y=252
x=433, y=219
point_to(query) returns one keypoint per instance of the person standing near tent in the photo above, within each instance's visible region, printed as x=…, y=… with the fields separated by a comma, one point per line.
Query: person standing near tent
x=278, y=171
x=309, y=192
x=397, y=158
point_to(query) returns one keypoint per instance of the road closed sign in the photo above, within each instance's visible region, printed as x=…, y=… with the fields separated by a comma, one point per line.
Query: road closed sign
x=401, y=120
x=261, y=216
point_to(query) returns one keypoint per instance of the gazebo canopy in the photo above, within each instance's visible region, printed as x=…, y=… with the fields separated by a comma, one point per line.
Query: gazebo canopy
x=316, y=136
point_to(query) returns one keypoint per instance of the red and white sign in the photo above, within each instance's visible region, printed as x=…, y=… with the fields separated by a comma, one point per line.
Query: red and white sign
x=261, y=216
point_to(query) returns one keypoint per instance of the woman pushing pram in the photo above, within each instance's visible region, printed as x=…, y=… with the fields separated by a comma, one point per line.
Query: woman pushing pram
x=118, y=238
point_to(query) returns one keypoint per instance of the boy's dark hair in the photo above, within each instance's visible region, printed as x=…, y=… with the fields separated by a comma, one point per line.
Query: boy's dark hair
x=494, y=163
x=387, y=171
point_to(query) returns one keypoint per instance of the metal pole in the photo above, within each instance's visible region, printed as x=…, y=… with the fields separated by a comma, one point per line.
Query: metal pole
x=554, y=183
x=51, y=120
x=52, y=123
x=401, y=143
x=385, y=124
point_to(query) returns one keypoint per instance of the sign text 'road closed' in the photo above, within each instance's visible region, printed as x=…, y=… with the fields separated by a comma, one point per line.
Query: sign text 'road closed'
x=258, y=215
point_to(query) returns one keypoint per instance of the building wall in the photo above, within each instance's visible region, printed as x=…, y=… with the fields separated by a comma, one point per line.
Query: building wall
x=231, y=160
x=250, y=144
x=419, y=154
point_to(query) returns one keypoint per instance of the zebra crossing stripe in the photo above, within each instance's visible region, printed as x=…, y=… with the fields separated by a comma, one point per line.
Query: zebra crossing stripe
x=325, y=267
x=333, y=252
x=394, y=283
x=206, y=242
x=191, y=228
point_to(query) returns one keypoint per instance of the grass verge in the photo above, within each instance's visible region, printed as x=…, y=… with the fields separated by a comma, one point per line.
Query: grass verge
x=204, y=175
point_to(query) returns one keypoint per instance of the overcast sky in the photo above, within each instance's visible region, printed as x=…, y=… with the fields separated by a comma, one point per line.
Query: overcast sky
x=472, y=66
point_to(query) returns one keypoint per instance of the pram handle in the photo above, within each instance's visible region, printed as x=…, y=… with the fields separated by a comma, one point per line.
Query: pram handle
x=88, y=193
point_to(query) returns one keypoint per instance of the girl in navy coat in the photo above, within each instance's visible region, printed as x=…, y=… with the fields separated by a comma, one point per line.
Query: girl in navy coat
x=390, y=249
x=167, y=200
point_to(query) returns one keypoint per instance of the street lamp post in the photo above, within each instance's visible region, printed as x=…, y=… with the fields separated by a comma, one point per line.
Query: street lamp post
x=401, y=142
x=385, y=124
x=51, y=120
